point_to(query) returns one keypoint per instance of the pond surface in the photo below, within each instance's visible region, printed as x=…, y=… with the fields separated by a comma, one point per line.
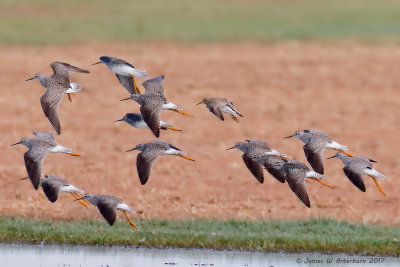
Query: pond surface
x=71, y=256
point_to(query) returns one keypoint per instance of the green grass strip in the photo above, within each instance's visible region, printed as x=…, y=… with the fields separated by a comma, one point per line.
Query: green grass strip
x=314, y=235
x=65, y=22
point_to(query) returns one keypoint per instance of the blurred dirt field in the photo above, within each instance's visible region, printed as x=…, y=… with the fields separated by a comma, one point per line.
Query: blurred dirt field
x=349, y=90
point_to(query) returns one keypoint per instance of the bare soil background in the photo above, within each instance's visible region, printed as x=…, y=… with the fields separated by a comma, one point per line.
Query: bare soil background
x=347, y=89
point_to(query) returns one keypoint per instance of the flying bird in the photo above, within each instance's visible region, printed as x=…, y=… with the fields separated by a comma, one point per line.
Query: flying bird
x=57, y=85
x=253, y=149
x=39, y=147
x=217, y=106
x=355, y=167
x=136, y=120
x=108, y=206
x=53, y=185
x=152, y=102
x=150, y=152
x=295, y=174
x=125, y=72
x=316, y=142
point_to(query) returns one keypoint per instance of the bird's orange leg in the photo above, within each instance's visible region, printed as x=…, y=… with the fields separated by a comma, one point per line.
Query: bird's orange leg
x=379, y=187
x=132, y=224
x=234, y=118
x=185, y=157
x=181, y=112
x=136, y=88
x=80, y=200
x=69, y=97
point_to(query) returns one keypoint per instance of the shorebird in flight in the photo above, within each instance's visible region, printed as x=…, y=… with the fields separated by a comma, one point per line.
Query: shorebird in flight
x=355, y=167
x=316, y=142
x=57, y=85
x=136, y=120
x=217, y=106
x=53, y=185
x=295, y=174
x=150, y=152
x=108, y=206
x=125, y=72
x=39, y=147
x=253, y=149
x=152, y=102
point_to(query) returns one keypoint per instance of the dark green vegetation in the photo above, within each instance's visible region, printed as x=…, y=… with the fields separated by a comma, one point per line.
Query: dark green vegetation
x=319, y=235
x=59, y=22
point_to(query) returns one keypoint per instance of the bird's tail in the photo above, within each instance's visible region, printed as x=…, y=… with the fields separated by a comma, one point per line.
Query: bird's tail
x=374, y=173
x=74, y=87
x=139, y=73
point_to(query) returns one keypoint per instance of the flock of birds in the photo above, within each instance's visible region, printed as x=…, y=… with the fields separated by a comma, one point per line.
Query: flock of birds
x=257, y=155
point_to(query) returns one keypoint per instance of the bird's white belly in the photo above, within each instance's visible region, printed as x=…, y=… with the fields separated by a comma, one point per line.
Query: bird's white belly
x=122, y=69
x=335, y=145
x=169, y=105
x=60, y=149
x=71, y=188
x=228, y=110
x=141, y=125
x=123, y=206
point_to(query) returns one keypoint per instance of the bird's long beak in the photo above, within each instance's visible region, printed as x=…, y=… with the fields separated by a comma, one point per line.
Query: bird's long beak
x=371, y=160
x=344, y=152
x=16, y=143
x=126, y=99
x=74, y=154
x=96, y=63
x=23, y=179
x=199, y=103
x=334, y=156
x=185, y=157
x=288, y=136
x=230, y=148
x=130, y=150
x=29, y=79
x=119, y=120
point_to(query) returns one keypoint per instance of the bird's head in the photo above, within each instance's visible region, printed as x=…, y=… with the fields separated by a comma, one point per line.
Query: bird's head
x=37, y=76
x=138, y=147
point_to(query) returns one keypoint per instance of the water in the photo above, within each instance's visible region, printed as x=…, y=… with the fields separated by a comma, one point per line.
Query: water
x=85, y=256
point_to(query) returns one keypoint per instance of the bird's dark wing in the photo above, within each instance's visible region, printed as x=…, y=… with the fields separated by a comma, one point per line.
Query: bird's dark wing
x=51, y=190
x=151, y=115
x=154, y=86
x=296, y=184
x=33, y=163
x=314, y=157
x=127, y=83
x=255, y=168
x=216, y=111
x=50, y=102
x=276, y=173
x=355, y=178
x=144, y=163
x=108, y=211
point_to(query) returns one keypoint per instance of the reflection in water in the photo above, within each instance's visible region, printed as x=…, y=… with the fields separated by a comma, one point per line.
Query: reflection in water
x=85, y=256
